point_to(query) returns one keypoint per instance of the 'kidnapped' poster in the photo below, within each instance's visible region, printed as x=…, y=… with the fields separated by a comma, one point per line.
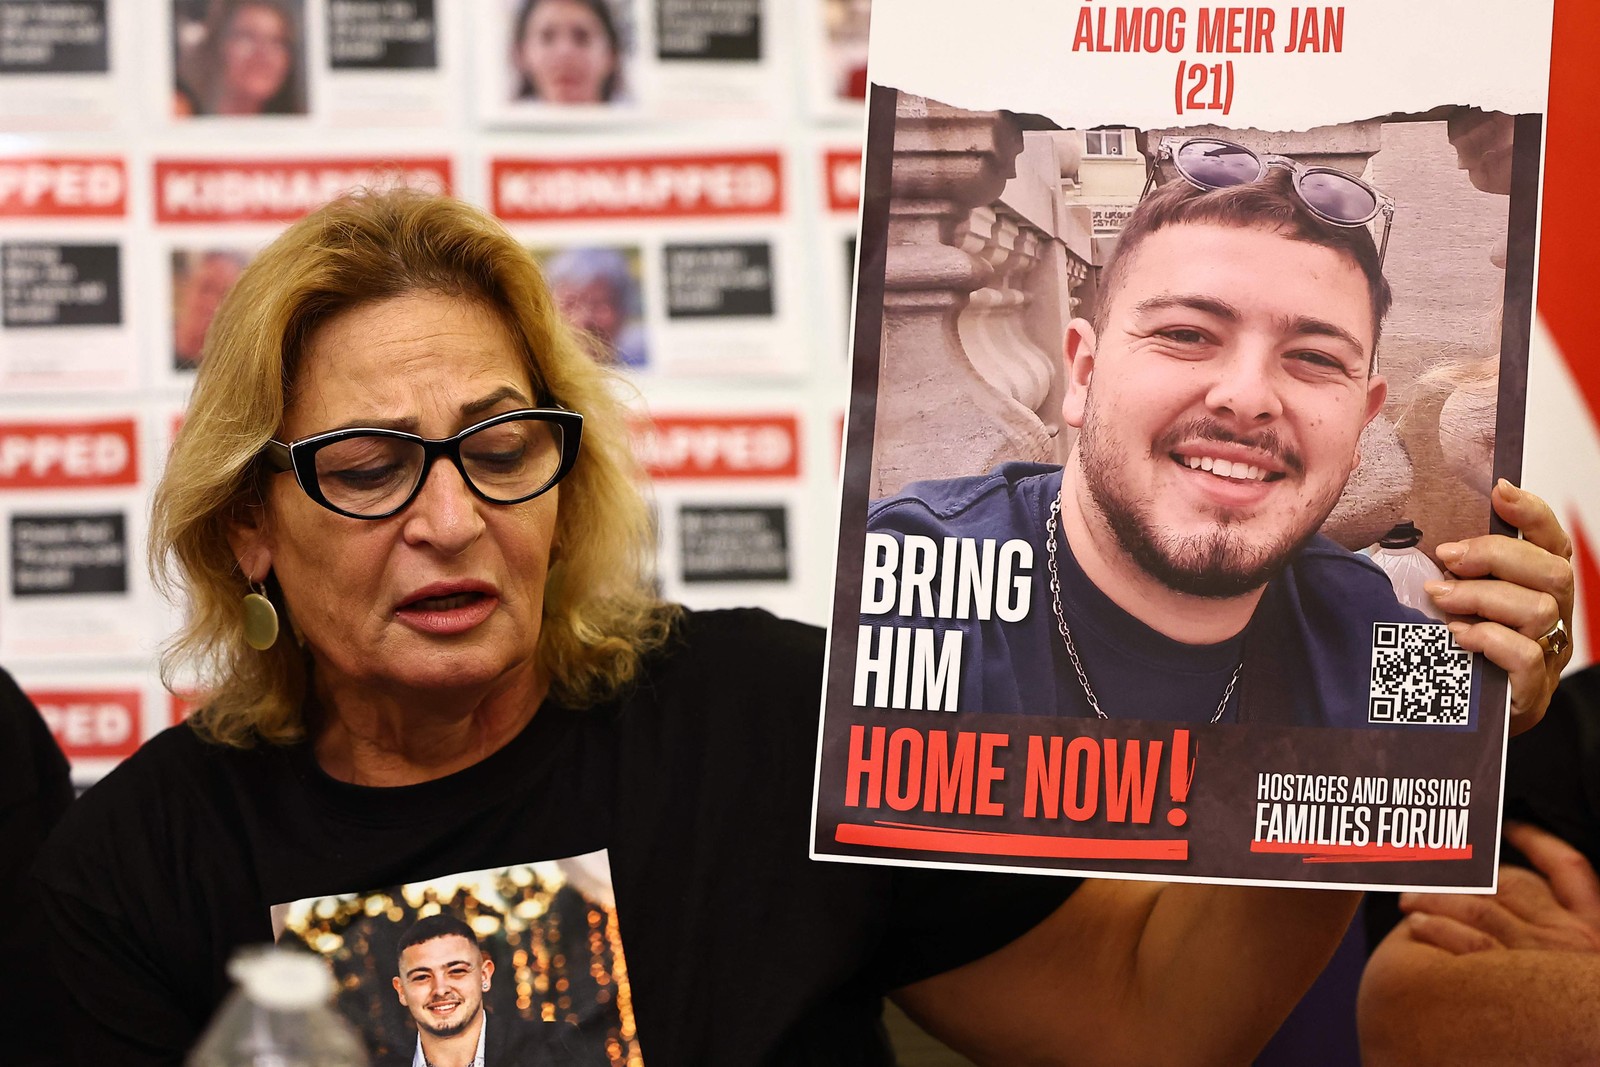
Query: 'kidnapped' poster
x=1188, y=344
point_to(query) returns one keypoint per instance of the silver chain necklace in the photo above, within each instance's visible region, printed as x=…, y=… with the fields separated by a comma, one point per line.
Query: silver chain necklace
x=1066, y=634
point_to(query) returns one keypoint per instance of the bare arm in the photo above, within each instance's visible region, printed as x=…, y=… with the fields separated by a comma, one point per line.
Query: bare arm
x=1422, y=1005
x=1139, y=973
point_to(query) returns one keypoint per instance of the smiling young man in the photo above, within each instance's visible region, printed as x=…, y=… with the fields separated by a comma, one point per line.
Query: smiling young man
x=1220, y=395
x=443, y=977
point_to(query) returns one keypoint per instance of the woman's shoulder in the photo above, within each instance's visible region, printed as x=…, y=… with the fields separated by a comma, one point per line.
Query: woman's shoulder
x=746, y=625
x=752, y=641
x=719, y=666
x=175, y=756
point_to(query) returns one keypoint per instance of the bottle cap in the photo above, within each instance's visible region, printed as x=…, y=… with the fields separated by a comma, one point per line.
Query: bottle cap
x=1404, y=534
x=282, y=980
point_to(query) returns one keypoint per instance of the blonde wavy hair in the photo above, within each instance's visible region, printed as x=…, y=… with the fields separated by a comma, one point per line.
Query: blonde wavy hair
x=601, y=611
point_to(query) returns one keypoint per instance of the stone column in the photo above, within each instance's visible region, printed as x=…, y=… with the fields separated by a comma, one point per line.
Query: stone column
x=937, y=414
x=992, y=328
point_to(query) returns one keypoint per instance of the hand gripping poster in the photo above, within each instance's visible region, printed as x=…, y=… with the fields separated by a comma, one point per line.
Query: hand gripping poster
x=1189, y=342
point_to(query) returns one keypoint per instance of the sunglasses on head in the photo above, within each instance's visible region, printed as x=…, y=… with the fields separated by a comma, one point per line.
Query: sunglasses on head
x=1333, y=196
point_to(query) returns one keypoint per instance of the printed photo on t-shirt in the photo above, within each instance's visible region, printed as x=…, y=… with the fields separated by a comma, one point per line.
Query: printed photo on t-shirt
x=506, y=967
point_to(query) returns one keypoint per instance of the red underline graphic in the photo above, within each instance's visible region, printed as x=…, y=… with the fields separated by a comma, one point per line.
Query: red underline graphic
x=1361, y=853
x=989, y=843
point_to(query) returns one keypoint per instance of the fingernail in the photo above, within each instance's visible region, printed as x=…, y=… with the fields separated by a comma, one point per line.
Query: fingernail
x=1451, y=551
x=1457, y=628
x=1407, y=901
x=1438, y=589
x=1510, y=491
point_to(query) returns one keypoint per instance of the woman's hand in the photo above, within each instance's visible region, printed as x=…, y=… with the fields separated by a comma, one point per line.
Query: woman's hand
x=1556, y=906
x=1521, y=590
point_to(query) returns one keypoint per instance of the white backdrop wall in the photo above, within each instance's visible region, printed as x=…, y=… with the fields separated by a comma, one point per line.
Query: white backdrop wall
x=718, y=183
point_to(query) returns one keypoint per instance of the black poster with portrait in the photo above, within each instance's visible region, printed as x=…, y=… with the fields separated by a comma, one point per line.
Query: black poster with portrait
x=1175, y=400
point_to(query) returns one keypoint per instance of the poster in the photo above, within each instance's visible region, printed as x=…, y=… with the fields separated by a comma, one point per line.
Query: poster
x=214, y=213
x=1177, y=375
x=728, y=492
x=676, y=264
x=59, y=64
x=65, y=307
x=73, y=515
x=268, y=66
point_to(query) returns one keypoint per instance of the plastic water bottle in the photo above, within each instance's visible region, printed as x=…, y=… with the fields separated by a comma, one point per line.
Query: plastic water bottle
x=1408, y=568
x=278, y=1016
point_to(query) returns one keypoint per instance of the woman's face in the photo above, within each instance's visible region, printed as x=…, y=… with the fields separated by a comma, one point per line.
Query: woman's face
x=255, y=58
x=447, y=595
x=565, y=53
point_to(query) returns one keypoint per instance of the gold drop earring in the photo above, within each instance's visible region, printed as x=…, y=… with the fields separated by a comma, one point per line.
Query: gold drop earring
x=260, y=619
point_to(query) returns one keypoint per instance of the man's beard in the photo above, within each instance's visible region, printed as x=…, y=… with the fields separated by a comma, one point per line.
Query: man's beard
x=1217, y=564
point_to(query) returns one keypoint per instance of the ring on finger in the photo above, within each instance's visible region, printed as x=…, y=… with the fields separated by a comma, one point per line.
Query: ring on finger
x=1555, y=640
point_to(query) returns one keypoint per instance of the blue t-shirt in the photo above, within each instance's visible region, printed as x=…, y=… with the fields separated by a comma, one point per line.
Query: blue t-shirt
x=1306, y=653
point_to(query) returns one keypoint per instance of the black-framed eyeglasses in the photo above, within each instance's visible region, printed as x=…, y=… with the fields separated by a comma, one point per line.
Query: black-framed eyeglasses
x=1333, y=196
x=372, y=473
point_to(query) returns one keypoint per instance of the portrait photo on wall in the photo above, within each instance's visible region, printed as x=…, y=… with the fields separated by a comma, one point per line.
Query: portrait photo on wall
x=520, y=966
x=201, y=277
x=1159, y=515
x=600, y=291
x=571, y=55
x=238, y=58
x=845, y=25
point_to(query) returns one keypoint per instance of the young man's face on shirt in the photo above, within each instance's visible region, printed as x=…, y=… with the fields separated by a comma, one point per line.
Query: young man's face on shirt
x=442, y=982
x=1222, y=406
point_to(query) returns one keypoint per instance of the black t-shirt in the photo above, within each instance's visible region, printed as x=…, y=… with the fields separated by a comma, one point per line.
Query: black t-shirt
x=1553, y=770
x=698, y=781
x=35, y=788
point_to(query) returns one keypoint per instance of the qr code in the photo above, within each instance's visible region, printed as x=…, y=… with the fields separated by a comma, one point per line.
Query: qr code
x=1419, y=675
